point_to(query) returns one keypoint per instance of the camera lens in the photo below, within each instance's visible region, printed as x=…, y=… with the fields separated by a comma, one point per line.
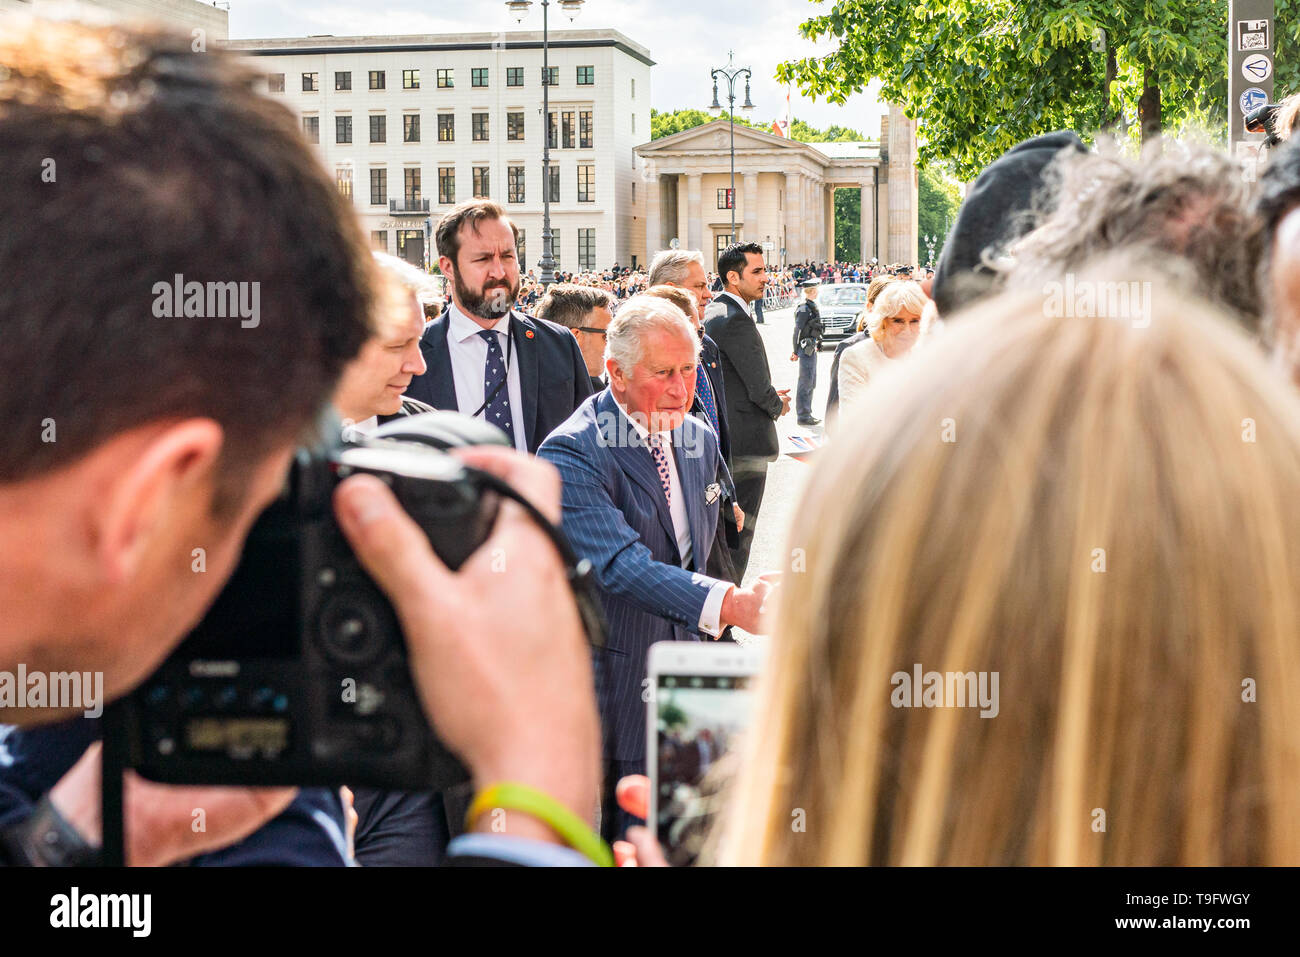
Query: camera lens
x=348, y=629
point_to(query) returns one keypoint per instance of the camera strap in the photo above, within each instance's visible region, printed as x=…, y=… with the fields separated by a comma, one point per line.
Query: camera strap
x=510, y=343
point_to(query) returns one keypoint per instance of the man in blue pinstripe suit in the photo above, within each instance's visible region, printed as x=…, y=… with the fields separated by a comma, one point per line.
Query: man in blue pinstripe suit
x=641, y=502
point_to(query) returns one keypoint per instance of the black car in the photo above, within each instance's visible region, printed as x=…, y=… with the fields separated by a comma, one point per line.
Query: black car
x=840, y=304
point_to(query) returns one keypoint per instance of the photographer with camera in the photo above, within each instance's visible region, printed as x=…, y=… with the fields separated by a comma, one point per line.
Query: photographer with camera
x=148, y=428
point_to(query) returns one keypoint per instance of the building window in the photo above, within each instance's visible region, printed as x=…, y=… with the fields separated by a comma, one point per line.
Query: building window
x=482, y=189
x=379, y=240
x=555, y=247
x=552, y=131
x=725, y=199
x=410, y=127
x=521, y=249
x=343, y=180
x=343, y=81
x=411, y=186
x=342, y=129
x=446, y=79
x=553, y=183
x=634, y=88
x=447, y=185
x=309, y=82
x=514, y=76
x=377, y=83
x=410, y=79
x=551, y=76
x=514, y=126
x=586, y=75
x=478, y=76
x=566, y=130
x=586, y=184
x=410, y=246
x=634, y=194
x=514, y=184
x=584, y=130
x=633, y=122
x=379, y=187
x=479, y=127
x=586, y=249
x=446, y=127
x=275, y=82
x=311, y=128
x=379, y=128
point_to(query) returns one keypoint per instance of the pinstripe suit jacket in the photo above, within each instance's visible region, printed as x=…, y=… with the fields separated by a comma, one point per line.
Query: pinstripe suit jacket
x=616, y=515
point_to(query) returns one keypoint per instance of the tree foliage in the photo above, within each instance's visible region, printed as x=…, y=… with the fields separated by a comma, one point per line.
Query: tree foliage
x=938, y=198
x=982, y=75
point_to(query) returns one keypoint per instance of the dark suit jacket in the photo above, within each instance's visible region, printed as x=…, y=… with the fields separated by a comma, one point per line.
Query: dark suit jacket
x=616, y=516
x=553, y=379
x=711, y=361
x=752, y=403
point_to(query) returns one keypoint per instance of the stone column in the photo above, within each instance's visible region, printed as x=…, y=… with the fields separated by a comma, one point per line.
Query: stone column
x=790, y=202
x=694, y=222
x=830, y=221
x=903, y=200
x=750, y=230
x=654, y=230
x=868, y=233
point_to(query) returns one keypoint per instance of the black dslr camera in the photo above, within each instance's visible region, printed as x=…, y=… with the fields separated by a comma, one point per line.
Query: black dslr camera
x=298, y=673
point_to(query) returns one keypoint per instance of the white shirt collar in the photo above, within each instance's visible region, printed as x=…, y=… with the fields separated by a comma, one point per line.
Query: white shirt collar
x=461, y=327
x=743, y=305
x=642, y=432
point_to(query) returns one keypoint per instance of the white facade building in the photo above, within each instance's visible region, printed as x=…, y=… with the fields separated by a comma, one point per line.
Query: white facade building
x=187, y=16
x=412, y=125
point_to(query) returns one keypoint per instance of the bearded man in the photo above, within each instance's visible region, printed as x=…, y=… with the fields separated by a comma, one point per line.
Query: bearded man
x=485, y=358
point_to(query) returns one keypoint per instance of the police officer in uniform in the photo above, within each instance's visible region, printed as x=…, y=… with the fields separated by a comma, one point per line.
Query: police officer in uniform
x=808, y=332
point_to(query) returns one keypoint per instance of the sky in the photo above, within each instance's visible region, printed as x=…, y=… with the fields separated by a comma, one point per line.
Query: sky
x=686, y=39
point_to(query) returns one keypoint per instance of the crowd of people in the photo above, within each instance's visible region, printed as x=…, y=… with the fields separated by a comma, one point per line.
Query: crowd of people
x=1069, y=458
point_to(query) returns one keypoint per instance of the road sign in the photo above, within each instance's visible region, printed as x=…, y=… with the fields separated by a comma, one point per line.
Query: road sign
x=768, y=246
x=674, y=243
x=1254, y=35
x=1256, y=68
x=1251, y=38
x=1252, y=99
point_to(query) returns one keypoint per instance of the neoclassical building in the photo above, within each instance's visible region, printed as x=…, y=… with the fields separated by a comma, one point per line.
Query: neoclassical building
x=784, y=193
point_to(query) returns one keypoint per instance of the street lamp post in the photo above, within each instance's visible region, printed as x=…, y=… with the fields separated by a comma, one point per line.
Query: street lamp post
x=519, y=9
x=731, y=73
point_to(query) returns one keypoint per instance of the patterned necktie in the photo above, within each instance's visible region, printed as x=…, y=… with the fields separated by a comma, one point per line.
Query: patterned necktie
x=497, y=411
x=704, y=389
x=661, y=463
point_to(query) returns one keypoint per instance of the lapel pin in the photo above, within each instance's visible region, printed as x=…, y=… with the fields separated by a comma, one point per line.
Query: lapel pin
x=528, y=333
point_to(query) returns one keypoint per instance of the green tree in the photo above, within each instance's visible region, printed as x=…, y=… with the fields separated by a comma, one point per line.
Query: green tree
x=848, y=225
x=983, y=75
x=938, y=199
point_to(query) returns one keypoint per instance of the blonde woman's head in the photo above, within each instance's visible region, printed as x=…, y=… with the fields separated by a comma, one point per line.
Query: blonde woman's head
x=1103, y=516
x=895, y=320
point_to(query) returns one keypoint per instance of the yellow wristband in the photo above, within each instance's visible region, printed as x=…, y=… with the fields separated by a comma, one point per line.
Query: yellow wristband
x=574, y=831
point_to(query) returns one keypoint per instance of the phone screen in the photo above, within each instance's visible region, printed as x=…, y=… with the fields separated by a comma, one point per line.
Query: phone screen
x=699, y=719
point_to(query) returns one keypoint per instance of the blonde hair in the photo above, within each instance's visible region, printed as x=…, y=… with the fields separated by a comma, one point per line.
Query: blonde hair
x=1110, y=526
x=902, y=295
x=873, y=292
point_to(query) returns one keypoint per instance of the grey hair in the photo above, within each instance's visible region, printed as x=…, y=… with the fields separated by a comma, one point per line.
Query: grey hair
x=413, y=280
x=1189, y=203
x=625, y=337
x=672, y=265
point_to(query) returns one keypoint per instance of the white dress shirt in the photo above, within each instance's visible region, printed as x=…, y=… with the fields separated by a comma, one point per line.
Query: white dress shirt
x=743, y=305
x=711, y=614
x=468, y=353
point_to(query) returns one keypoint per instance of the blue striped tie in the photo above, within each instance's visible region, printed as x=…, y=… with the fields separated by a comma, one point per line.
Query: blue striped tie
x=704, y=389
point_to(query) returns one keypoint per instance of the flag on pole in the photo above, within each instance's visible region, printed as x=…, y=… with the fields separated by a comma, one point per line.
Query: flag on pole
x=781, y=126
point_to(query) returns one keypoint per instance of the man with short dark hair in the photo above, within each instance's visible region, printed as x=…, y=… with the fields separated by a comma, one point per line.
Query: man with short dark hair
x=586, y=311
x=753, y=404
x=485, y=358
